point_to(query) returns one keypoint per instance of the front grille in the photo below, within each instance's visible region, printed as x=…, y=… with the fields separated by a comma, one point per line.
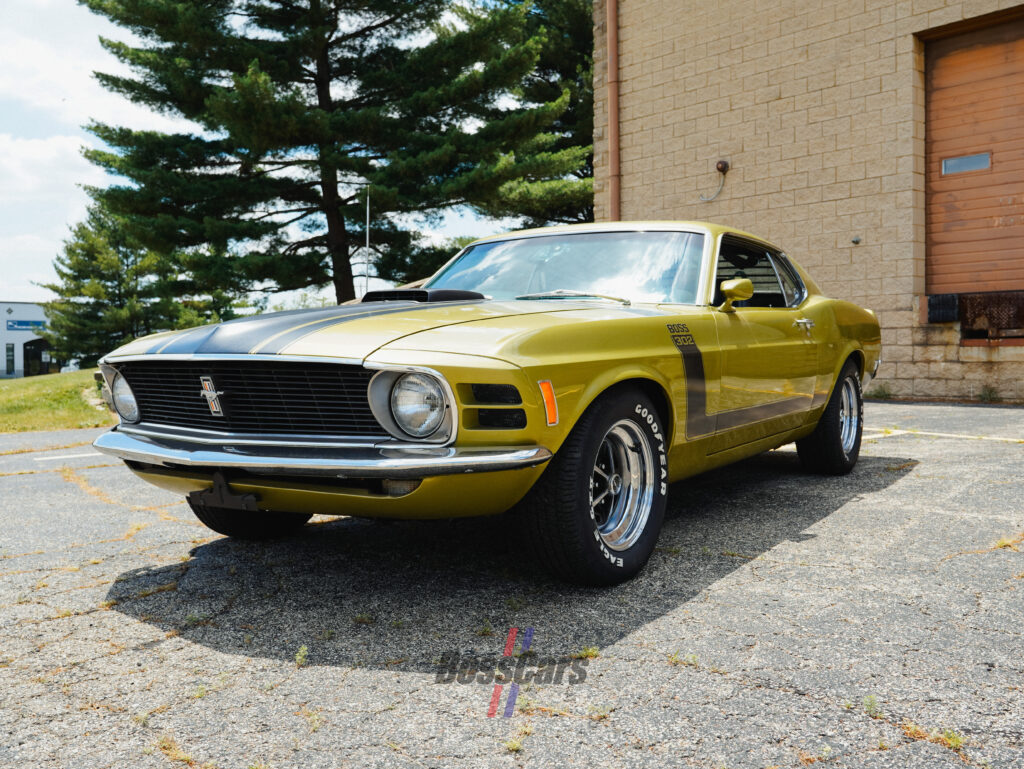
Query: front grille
x=259, y=397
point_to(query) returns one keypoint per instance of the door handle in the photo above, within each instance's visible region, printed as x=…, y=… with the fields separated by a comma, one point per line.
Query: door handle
x=806, y=323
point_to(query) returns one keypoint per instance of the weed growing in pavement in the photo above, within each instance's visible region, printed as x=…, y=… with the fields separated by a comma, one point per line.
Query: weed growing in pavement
x=687, y=660
x=485, y=629
x=872, y=708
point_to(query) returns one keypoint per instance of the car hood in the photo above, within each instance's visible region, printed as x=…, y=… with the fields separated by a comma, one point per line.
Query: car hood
x=353, y=331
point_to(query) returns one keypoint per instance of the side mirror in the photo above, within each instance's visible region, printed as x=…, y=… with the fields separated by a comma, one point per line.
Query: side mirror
x=735, y=290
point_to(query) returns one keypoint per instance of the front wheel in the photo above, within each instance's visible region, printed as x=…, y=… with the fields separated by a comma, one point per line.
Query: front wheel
x=594, y=516
x=834, y=446
x=248, y=524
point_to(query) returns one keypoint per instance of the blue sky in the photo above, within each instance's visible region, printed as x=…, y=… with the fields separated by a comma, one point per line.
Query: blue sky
x=48, y=52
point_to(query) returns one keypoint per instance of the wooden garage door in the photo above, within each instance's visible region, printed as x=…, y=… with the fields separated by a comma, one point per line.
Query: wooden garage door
x=975, y=161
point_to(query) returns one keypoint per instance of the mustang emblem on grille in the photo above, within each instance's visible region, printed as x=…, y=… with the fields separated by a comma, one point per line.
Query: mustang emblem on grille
x=212, y=395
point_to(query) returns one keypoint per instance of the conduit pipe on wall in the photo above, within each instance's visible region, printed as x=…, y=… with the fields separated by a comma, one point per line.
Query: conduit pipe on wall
x=614, y=171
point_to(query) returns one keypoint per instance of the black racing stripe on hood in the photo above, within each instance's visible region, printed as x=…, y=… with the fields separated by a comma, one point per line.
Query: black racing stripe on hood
x=290, y=337
x=238, y=337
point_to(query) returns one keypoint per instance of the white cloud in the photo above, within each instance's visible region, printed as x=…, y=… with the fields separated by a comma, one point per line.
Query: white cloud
x=49, y=50
x=24, y=261
x=39, y=199
x=45, y=170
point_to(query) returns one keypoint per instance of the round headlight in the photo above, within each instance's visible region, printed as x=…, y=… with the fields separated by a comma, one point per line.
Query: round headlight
x=417, y=404
x=124, y=399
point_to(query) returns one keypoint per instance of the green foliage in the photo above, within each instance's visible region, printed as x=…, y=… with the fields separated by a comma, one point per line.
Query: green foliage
x=989, y=394
x=872, y=708
x=111, y=290
x=555, y=185
x=298, y=105
x=418, y=261
x=881, y=392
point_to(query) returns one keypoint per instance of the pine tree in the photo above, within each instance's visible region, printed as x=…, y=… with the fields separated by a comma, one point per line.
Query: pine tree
x=299, y=108
x=111, y=290
x=556, y=180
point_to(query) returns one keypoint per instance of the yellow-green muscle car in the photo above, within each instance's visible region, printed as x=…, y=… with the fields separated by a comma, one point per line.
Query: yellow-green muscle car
x=569, y=373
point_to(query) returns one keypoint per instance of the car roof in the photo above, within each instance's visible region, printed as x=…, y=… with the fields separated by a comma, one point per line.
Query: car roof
x=654, y=226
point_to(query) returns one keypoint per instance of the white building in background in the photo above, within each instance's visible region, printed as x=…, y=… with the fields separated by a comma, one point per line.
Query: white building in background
x=24, y=352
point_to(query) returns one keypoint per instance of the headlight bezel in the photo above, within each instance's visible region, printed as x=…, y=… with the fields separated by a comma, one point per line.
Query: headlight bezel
x=379, y=393
x=136, y=417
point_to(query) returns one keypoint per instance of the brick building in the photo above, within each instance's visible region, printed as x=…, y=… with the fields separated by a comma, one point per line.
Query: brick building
x=881, y=143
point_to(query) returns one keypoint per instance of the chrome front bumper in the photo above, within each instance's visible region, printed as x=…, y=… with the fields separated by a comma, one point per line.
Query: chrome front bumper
x=324, y=462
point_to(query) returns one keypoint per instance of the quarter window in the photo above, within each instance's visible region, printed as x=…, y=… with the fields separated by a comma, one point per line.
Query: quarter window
x=792, y=285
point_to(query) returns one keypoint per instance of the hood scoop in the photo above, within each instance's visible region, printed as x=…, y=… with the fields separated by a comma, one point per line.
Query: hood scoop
x=423, y=295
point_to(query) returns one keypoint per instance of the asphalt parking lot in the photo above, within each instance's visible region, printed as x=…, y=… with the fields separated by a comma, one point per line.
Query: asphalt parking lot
x=785, y=620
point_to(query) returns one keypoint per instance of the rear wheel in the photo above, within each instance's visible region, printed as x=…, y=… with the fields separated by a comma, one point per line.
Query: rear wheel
x=248, y=524
x=594, y=516
x=834, y=446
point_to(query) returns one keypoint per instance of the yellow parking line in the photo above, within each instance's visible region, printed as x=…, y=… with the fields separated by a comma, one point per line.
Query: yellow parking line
x=874, y=433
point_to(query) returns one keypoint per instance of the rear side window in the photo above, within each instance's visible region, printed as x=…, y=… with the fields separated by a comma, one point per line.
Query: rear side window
x=743, y=259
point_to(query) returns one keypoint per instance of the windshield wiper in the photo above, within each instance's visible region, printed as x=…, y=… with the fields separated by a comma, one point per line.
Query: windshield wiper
x=566, y=293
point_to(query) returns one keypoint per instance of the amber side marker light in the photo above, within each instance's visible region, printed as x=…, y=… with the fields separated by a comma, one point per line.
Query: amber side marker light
x=550, y=404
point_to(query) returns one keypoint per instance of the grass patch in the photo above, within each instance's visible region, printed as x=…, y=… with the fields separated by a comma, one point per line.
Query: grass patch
x=51, y=402
x=687, y=660
x=485, y=629
x=173, y=752
x=586, y=653
x=989, y=394
x=880, y=392
x=871, y=707
x=1009, y=543
x=947, y=738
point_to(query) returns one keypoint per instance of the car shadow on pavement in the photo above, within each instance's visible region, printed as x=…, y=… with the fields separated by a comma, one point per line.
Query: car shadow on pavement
x=400, y=595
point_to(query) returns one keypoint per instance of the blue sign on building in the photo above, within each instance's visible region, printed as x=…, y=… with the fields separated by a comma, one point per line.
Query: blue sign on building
x=25, y=325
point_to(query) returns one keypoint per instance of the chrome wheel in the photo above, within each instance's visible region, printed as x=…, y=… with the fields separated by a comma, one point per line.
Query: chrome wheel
x=622, y=485
x=849, y=415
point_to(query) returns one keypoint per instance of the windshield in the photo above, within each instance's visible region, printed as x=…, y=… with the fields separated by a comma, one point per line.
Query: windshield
x=639, y=266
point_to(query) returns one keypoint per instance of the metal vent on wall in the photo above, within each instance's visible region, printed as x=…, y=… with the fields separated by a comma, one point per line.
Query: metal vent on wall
x=994, y=315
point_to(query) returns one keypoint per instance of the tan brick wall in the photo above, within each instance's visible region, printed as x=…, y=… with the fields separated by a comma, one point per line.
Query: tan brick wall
x=819, y=108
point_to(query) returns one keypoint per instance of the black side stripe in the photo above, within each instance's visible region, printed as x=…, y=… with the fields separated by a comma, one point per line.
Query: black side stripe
x=698, y=422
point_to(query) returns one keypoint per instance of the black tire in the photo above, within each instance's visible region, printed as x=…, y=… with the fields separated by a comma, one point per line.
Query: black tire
x=560, y=523
x=249, y=524
x=829, y=450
